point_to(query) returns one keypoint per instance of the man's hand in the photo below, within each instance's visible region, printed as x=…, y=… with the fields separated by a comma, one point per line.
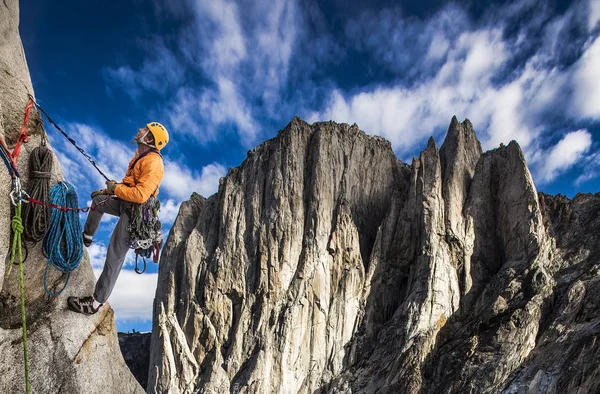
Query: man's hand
x=110, y=187
x=102, y=192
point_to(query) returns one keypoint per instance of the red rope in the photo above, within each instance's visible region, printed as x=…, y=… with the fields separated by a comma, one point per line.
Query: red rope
x=23, y=137
x=65, y=209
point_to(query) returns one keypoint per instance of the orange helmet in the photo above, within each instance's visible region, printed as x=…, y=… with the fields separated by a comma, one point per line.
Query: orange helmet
x=160, y=134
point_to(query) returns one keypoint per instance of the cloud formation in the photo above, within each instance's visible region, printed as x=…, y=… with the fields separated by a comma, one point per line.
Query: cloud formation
x=521, y=71
x=180, y=181
x=133, y=295
x=168, y=212
x=450, y=65
x=586, y=83
x=567, y=152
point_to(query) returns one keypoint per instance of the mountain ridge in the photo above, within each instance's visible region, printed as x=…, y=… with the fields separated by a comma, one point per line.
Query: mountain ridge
x=323, y=257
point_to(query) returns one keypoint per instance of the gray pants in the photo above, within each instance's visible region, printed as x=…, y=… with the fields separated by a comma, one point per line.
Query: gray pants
x=117, y=247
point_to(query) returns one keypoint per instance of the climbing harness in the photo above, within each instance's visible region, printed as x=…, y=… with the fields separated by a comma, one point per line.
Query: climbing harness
x=71, y=140
x=145, y=231
x=63, y=244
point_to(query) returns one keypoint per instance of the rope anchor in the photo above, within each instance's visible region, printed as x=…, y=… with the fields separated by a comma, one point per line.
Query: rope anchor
x=17, y=193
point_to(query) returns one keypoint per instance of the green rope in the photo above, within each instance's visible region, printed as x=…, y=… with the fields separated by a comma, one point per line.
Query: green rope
x=17, y=227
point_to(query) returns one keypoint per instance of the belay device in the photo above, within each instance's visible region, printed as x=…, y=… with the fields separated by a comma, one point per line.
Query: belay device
x=145, y=231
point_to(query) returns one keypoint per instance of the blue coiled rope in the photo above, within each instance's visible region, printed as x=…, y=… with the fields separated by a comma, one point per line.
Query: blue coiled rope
x=63, y=243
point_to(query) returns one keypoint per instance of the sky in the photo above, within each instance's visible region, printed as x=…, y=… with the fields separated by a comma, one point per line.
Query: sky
x=225, y=75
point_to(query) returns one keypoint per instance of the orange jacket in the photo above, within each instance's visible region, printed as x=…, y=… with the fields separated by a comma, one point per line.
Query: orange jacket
x=142, y=178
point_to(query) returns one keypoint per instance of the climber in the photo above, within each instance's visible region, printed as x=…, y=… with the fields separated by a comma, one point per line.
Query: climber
x=142, y=180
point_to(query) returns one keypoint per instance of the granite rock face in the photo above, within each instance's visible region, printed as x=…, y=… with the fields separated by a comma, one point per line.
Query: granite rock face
x=325, y=265
x=68, y=352
x=135, y=348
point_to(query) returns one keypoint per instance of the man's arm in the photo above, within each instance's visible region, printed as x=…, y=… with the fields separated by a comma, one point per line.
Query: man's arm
x=152, y=175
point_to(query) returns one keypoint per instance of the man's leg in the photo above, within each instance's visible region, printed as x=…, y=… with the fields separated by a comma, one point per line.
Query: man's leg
x=112, y=207
x=115, y=256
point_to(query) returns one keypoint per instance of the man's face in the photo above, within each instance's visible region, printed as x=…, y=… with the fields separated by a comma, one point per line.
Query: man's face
x=141, y=132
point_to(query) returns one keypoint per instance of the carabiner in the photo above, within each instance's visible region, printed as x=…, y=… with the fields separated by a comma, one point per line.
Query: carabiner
x=12, y=198
x=26, y=197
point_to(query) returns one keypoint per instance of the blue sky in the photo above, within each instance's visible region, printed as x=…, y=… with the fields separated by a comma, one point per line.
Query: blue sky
x=224, y=76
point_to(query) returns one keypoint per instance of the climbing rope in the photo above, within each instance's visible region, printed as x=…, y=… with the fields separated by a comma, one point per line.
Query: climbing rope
x=16, y=196
x=35, y=216
x=63, y=244
x=66, y=209
x=17, y=228
x=71, y=140
x=13, y=157
x=23, y=134
x=6, y=157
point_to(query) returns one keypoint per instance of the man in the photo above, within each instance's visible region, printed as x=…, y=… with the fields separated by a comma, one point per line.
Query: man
x=143, y=177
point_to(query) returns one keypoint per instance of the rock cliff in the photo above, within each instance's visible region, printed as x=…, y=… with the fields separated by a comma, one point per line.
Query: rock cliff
x=135, y=348
x=325, y=265
x=68, y=352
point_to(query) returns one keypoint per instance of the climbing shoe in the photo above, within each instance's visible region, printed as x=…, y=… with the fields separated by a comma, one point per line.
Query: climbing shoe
x=82, y=305
x=87, y=240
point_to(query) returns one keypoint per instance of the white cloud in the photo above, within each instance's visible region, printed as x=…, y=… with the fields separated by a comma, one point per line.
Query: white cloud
x=180, y=181
x=567, y=152
x=471, y=73
x=133, y=295
x=510, y=84
x=222, y=106
x=168, y=211
x=586, y=177
x=594, y=13
x=97, y=253
x=485, y=53
x=407, y=116
x=586, y=83
x=407, y=46
x=274, y=34
x=219, y=32
x=183, y=118
x=243, y=53
x=438, y=47
x=111, y=156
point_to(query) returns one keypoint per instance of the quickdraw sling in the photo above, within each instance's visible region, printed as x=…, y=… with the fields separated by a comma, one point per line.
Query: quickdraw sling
x=145, y=231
